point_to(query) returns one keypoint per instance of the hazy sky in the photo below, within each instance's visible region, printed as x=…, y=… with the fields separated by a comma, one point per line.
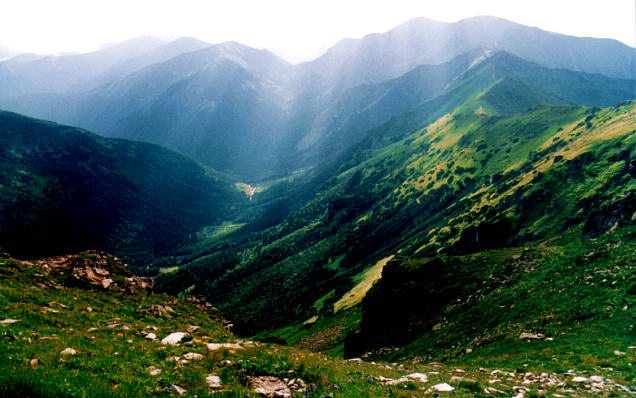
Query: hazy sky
x=296, y=30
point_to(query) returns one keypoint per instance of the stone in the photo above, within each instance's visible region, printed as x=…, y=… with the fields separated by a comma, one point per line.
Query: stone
x=443, y=387
x=178, y=390
x=220, y=346
x=213, y=381
x=580, y=379
x=193, y=355
x=531, y=336
x=151, y=336
x=596, y=379
x=153, y=370
x=106, y=282
x=8, y=321
x=68, y=351
x=173, y=338
x=355, y=360
x=421, y=377
x=269, y=386
x=618, y=353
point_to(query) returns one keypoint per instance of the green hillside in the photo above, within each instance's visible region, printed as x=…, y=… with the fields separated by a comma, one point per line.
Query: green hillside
x=68, y=189
x=459, y=185
x=82, y=325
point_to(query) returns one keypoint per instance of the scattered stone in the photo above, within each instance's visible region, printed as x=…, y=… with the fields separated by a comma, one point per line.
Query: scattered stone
x=173, y=338
x=34, y=362
x=9, y=321
x=193, y=328
x=269, y=386
x=68, y=351
x=469, y=350
x=531, y=336
x=355, y=360
x=596, y=379
x=106, y=282
x=153, y=370
x=421, y=377
x=220, y=346
x=193, y=355
x=580, y=379
x=443, y=387
x=89, y=309
x=213, y=381
x=151, y=336
x=178, y=390
x=618, y=353
x=490, y=390
x=160, y=310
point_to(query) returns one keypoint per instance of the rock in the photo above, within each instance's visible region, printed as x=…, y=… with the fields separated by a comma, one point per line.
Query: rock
x=355, y=360
x=178, y=390
x=153, y=370
x=421, y=377
x=68, y=351
x=173, y=338
x=444, y=387
x=34, y=362
x=596, y=379
x=269, y=386
x=220, y=346
x=151, y=336
x=580, y=379
x=106, y=282
x=193, y=328
x=213, y=381
x=618, y=353
x=9, y=321
x=192, y=355
x=159, y=310
x=531, y=336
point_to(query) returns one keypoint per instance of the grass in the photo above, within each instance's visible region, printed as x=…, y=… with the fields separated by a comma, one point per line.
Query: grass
x=365, y=282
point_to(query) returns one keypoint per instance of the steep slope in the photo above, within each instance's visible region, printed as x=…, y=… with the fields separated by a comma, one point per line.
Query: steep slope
x=433, y=91
x=68, y=189
x=470, y=181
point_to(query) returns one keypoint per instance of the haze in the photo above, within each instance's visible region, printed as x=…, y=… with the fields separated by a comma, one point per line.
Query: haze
x=297, y=31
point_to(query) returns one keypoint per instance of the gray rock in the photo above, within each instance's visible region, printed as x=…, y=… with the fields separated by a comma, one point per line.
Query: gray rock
x=173, y=338
x=213, y=381
x=269, y=386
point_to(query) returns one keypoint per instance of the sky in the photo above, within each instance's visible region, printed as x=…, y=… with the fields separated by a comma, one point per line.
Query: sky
x=296, y=30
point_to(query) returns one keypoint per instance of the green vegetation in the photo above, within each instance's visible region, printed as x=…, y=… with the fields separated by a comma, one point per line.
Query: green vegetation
x=69, y=190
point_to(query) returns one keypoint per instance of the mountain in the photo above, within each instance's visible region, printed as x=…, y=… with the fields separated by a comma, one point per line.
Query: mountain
x=473, y=180
x=382, y=56
x=69, y=189
x=251, y=114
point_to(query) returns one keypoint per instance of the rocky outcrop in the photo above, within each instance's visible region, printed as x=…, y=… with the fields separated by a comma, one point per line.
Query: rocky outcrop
x=93, y=269
x=269, y=386
x=610, y=217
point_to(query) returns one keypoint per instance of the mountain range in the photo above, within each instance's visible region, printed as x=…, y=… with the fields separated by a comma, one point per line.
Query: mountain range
x=430, y=193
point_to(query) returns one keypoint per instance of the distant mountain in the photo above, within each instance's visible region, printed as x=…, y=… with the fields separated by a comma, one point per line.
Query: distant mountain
x=382, y=56
x=69, y=189
x=54, y=74
x=249, y=113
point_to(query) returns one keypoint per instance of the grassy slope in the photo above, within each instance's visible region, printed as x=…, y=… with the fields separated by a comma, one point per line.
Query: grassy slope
x=437, y=188
x=115, y=361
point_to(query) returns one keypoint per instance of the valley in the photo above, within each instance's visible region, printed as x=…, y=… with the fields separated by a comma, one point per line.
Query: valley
x=440, y=209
